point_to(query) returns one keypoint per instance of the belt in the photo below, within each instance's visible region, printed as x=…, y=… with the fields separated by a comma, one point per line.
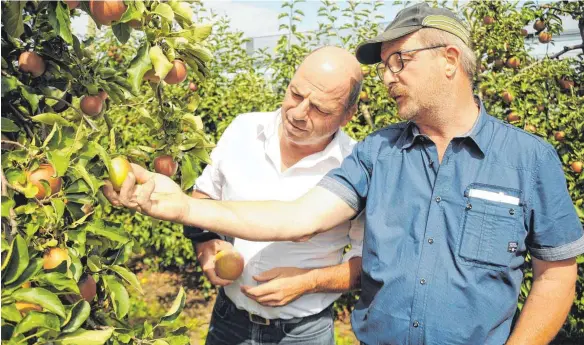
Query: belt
x=260, y=320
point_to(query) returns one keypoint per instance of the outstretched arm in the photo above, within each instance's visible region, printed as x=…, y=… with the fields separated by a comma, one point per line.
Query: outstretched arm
x=160, y=197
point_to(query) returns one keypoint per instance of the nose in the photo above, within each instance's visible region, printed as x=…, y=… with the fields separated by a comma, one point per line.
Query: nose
x=300, y=111
x=389, y=77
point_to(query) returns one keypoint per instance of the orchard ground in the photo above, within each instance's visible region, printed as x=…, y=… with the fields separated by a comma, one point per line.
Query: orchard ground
x=161, y=287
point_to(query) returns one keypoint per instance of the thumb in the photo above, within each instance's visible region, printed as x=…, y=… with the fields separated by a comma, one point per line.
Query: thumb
x=142, y=175
x=267, y=275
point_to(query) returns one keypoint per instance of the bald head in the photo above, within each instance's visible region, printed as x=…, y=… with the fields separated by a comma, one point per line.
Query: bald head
x=334, y=66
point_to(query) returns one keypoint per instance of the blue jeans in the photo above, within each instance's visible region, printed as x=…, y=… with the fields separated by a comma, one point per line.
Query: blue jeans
x=231, y=326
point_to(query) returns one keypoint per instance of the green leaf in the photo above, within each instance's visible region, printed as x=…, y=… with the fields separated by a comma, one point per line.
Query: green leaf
x=8, y=125
x=194, y=103
x=76, y=316
x=138, y=67
x=176, y=308
x=91, y=149
x=35, y=319
x=10, y=313
x=80, y=169
x=145, y=117
x=78, y=186
x=94, y=263
x=51, y=119
x=146, y=148
x=193, y=121
x=134, y=11
x=159, y=342
x=34, y=267
x=202, y=155
x=59, y=207
x=60, y=160
x=12, y=19
x=49, y=137
x=85, y=337
x=195, y=34
x=9, y=83
x=59, y=281
x=122, y=31
x=183, y=10
x=31, y=97
x=165, y=11
x=42, y=297
x=60, y=21
x=161, y=64
x=17, y=260
x=109, y=230
x=76, y=267
x=7, y=204
x=119, y=296
x=178, y=340
x=188, y=173
x=200, y=52
x=128, y=276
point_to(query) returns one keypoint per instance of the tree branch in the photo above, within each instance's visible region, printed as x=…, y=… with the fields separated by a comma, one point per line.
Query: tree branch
x=24, y=120
x=11, y=214
x=13, y=143
x=567, y=49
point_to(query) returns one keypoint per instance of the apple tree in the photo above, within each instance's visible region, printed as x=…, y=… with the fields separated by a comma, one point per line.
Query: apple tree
x=64, y=278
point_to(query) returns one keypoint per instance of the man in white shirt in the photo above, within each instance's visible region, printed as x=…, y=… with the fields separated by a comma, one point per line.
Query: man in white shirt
x=286, y=291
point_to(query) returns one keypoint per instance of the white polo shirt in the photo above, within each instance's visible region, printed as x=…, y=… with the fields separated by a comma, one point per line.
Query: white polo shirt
x=246, y=166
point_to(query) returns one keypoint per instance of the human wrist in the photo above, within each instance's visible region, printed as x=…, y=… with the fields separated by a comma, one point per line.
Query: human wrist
x=183, y=215
x=311, y=281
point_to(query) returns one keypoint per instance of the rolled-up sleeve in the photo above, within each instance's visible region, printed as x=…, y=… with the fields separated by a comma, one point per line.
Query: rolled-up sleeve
x=351, y=180
x=555, y=232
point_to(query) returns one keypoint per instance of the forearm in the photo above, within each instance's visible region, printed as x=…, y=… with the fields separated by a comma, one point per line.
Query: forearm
x=316, y=211
x=339, y=278
x=250, y=220
x=544, y=312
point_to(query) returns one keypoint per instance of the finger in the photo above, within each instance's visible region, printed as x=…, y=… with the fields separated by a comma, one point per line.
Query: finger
x=142, y=175
x=127, y=190
x=257, y=291
x=110, y=194
x=214, y=279
x=144, y=192
x=267, y=275
x=208, y=267
x=270, y=300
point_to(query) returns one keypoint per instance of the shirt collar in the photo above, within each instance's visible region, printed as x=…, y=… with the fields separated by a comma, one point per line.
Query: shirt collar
x=412, y=132
x=268, y=131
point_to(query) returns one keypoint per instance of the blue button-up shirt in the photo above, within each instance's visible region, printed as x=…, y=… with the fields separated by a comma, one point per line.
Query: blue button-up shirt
x=445, y=242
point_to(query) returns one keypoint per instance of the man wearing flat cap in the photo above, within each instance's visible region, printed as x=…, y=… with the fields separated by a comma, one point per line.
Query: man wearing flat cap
x=454, y=200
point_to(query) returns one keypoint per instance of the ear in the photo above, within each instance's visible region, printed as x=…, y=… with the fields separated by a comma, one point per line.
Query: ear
x=349, y=115
x=452, y=55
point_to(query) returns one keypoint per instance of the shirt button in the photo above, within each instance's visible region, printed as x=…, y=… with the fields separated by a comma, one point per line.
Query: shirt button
x=430, y=240
x=438, y=199
x=423, y=281
x=416, y=324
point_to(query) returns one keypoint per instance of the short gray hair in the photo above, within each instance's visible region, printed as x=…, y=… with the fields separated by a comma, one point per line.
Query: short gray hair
x=356, y=85
x=431, y=37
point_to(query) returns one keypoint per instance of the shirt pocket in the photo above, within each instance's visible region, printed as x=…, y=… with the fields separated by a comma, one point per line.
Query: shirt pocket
x=491, y=223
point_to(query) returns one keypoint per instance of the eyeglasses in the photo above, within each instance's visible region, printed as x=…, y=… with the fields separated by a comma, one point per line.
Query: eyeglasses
x=395, y=63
